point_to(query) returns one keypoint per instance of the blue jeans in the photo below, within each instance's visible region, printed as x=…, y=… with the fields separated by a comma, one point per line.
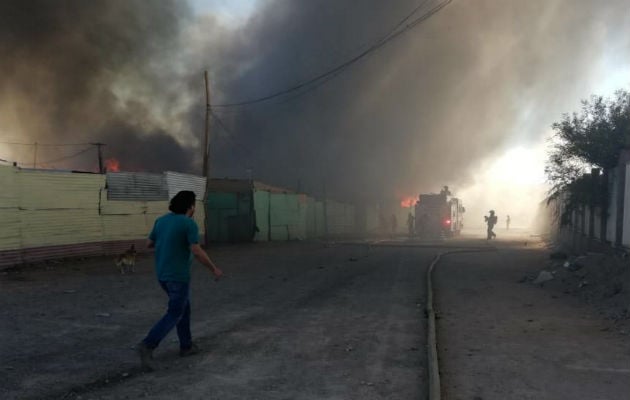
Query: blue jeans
x=177, y=315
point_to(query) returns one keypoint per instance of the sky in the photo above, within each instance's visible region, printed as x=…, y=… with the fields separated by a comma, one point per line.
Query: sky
x=465, y=99
x=232, y=12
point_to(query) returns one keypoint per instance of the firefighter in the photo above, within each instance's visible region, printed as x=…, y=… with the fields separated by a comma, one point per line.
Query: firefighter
x=491, y=221
x=410, y=223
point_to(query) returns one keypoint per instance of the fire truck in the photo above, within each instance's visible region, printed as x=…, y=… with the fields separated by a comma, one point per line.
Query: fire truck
x=439, y=214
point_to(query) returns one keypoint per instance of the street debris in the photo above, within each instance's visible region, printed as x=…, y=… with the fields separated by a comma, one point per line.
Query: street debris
x=543, y=276
x=574, y=265
x=600, y=279
x=104, y=315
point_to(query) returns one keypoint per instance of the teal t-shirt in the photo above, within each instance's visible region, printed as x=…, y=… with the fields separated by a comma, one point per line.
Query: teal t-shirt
x=173, y=234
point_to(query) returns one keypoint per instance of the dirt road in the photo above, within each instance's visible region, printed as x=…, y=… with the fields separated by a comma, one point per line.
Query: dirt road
x=313, y=321
x=304, y=321
x=501, y=337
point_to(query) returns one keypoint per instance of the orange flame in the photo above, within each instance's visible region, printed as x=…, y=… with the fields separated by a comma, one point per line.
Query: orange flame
x=408, y=202
x=112, y=165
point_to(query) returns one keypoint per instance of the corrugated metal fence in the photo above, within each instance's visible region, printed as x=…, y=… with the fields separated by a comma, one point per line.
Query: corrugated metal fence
x=49, y=214
x=52, y=214
x=245, y=211
x=135, y=186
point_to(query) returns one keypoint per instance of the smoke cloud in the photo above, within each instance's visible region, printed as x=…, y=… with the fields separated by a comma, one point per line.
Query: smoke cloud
x=424, y=110
x=417, y=114
x=94, y=71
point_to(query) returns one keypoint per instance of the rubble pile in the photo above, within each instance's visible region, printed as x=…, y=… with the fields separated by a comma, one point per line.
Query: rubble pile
x=601, y=280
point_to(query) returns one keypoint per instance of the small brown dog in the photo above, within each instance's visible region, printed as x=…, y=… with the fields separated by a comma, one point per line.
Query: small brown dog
x=127, y=260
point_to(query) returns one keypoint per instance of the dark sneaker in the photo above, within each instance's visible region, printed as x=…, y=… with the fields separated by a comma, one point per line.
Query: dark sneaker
x=146, y=357
x=192, y=350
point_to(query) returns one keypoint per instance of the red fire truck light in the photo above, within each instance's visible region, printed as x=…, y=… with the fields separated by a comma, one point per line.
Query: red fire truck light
x=447, y=222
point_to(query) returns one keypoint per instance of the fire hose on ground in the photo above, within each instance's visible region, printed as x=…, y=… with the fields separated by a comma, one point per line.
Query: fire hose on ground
x=432, y=353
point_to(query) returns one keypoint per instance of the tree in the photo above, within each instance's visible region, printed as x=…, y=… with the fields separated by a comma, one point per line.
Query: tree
x=591, y=138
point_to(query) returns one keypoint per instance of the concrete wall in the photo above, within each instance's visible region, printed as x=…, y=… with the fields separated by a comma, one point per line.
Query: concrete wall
x=611, y=224
x=626, y=216
x=578, y=231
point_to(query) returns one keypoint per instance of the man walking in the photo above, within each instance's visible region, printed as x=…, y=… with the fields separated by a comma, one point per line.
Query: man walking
x=175, y=237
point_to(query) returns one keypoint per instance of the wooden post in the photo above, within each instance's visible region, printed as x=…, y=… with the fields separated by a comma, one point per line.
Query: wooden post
x=99, y=150
x=206, y=155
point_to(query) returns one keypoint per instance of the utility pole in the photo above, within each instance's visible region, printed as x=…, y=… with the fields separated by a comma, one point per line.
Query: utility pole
x=99, y=149
x=207, y=131
x=206, y=151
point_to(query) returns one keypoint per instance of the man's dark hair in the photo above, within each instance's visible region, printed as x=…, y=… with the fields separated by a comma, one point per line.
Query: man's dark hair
x=182, y=201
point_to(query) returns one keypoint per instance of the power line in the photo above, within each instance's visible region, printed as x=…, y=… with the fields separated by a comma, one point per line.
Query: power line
x=67, y=157
x=415, y=10
x=326, y=76
x=220, y=122
x=45, y=144
x=230, y=134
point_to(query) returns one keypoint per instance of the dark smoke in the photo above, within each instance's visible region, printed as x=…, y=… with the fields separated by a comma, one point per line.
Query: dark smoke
x=418, y=114
x=93, y=71
x=422, y=111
